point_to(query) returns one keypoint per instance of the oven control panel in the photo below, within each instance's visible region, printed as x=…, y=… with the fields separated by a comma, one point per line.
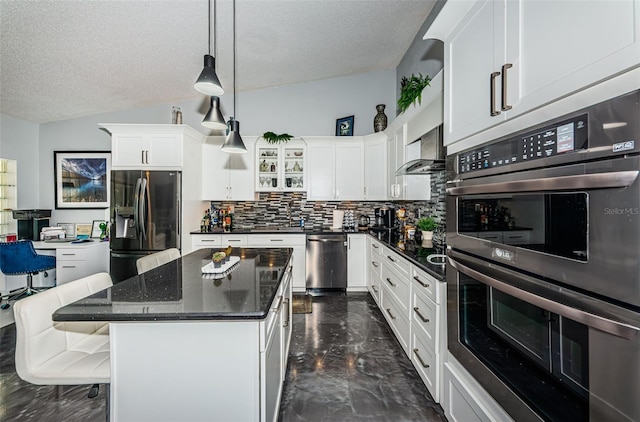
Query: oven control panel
x=560, y=138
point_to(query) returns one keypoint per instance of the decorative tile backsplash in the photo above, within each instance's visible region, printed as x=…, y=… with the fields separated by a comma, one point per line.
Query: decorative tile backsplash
x=272, y=208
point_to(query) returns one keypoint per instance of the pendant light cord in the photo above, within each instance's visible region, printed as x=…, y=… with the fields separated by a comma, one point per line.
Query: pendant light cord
x=209, y=4
x=234, y=60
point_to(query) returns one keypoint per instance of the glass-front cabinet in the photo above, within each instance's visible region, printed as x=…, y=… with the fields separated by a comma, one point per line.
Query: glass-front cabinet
x=8, y=196
x=281, y=167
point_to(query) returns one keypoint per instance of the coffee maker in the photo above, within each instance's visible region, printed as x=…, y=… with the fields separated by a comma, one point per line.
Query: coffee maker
x=385, y=217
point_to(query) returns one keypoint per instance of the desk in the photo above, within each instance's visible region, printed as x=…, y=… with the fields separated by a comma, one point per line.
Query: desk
x=76, y=260
x=73, y=261
x=185, y=347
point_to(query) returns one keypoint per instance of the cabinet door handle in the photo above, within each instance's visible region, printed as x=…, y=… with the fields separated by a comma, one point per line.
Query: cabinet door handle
x=68, y=266
x=424, y=365
x=494, y=112
x=234, y=240
x=142, y=157
x=416, y=278
x=390, y=314
x=276, y=240
x=505, y=106
x=374, y=263
x=374, y=245
x=375, y=289
x=417, y=311
x=390, y=282
x=209, y=240
x=285, y=323
x=68, y=254
x=391, y=259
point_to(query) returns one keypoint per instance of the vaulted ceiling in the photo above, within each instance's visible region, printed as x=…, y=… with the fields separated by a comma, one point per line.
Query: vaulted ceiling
x=62, y=59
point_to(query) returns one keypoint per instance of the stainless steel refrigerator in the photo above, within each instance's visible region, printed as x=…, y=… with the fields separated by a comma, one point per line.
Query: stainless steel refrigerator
x=145, y=217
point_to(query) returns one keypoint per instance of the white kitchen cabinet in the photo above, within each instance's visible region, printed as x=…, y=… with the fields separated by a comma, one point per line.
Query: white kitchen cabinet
x=375, y=166
x=141, y=146
x=227, y=176
x=356, y=262
x=335, y=169
x=507, y=58
x=395, y=154
x=374, y=263
x=295, y=241
x=465, y=400
x=205, y=240
x=281, y=167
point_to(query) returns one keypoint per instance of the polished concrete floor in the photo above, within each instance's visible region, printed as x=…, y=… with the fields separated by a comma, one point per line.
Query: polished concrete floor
x=344, y=365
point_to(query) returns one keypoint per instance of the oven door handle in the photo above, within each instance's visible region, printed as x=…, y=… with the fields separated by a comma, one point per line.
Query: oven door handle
x=618, y=179
x=607, y=325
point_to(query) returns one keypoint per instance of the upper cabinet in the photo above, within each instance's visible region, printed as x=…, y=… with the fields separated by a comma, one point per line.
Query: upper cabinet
x=227, y=176
x=159, y=147
x=375, y=166
x=281, y=167
x=506, y=58
x=335, y=168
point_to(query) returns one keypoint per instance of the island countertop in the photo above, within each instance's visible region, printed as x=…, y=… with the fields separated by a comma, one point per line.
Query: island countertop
x=179, y=291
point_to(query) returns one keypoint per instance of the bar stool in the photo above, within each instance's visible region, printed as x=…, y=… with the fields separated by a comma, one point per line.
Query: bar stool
x=20, y=258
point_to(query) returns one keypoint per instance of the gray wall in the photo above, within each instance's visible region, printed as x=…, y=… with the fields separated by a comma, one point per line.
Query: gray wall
x=423, y=56
x=299, y=109
x=19, y=141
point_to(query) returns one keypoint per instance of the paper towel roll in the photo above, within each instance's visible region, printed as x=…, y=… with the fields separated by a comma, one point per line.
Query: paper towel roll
x=338, y=215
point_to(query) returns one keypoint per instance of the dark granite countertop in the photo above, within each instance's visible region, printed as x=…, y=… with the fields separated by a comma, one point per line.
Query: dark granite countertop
x=283, y=230
x=179, y=291
x=416, y=254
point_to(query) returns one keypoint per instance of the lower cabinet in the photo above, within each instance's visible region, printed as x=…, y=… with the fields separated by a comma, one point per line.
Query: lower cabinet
x=374, y=279
x=73, y=263
x=356, y=262
x=295, y=241
x=464, y=400
x=413, y=304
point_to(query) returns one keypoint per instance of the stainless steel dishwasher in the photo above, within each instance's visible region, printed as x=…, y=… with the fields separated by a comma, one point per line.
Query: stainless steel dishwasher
x=326, y=262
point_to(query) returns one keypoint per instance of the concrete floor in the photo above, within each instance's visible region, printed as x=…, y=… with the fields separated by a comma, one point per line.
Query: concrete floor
x=344, y=365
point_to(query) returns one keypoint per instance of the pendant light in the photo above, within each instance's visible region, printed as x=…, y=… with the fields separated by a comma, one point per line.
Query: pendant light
x=208, y=82
x=233, y=144
x=214, y=118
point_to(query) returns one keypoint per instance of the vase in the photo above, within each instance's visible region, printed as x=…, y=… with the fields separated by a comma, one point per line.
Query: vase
x=427, y=239
x=380, y=120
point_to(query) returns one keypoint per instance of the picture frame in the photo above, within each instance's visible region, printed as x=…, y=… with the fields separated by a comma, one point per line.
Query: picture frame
x=82, y=179
x=83, y=230
x=344, y=126
x=95, y=228
x=69, y=229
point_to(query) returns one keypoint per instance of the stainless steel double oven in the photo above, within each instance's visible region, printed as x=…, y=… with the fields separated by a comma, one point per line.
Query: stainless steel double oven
x=543, y=269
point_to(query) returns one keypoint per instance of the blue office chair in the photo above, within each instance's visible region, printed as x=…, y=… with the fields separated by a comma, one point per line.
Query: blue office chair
x=17, y=258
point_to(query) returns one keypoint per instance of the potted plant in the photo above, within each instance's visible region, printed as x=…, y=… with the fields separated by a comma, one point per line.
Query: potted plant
x=427, y=225
x=272, y=138
x=411, y=90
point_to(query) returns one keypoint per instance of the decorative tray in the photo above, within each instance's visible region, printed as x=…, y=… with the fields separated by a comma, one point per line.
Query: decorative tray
x=221, y=271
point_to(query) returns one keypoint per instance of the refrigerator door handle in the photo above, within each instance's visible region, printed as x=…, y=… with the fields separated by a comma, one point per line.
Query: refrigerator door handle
x=136, y=211
x=143, y=209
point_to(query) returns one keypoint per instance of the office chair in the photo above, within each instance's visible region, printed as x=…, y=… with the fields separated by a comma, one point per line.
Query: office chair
x=17, y=258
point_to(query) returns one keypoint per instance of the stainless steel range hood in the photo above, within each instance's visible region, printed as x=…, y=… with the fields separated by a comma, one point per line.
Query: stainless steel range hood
x=432, y=155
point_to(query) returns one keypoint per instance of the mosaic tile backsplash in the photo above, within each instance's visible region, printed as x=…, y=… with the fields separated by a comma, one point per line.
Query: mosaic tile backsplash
x=272, y=208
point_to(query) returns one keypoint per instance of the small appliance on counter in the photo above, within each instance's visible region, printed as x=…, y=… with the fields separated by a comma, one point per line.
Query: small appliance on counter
x=363, y=222
x=385, y=217
x=31, y=222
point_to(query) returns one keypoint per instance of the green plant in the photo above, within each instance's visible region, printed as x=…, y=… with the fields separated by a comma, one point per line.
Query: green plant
x=427, y=224
x=272, y=138
x=411, y=90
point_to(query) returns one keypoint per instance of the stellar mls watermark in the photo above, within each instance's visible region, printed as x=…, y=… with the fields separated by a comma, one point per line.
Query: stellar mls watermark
x=621, y=211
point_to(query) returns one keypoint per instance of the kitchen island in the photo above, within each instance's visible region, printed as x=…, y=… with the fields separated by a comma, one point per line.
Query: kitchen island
x=190, y=347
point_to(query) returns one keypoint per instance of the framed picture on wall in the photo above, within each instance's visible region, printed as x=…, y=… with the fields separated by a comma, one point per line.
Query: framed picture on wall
x=344, y=126
x=82, y=179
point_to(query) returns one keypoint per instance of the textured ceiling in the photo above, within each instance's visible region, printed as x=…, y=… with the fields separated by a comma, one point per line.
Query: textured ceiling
x=67, y=59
